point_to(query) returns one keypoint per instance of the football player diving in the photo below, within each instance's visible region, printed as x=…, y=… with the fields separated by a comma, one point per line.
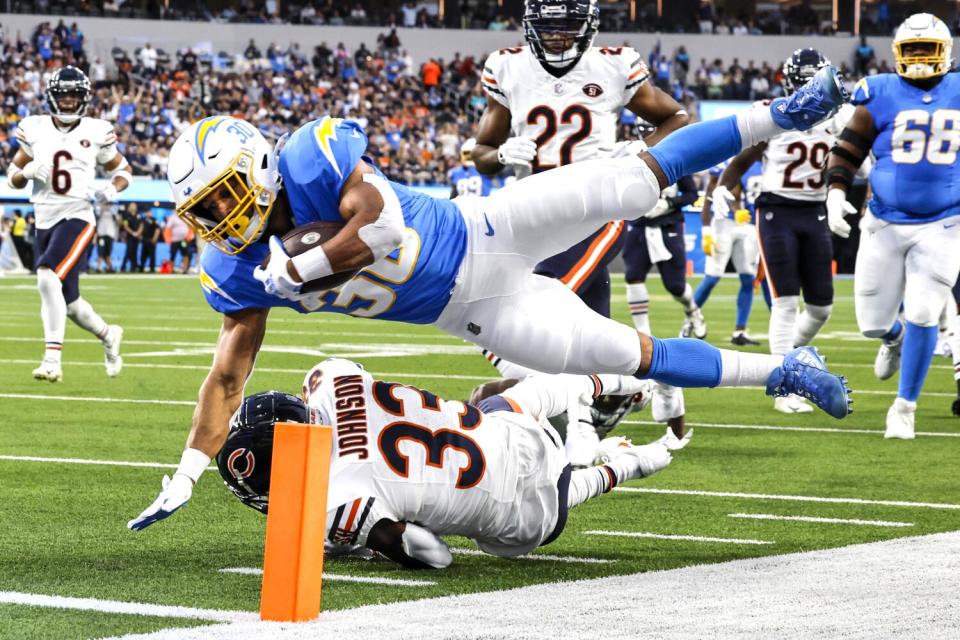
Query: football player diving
x=910, y=230
x=495, y=472
x=464, y=266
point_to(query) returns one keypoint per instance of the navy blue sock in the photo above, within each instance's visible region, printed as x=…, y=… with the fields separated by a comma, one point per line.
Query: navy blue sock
x=697, y=147
x=894, y=332
x=744, y=299
x=703, y=291
x=685, y=362
x=918, y=345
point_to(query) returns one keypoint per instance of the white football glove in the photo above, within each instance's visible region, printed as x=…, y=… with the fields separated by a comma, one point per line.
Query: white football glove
x=36, y=170
x=105, y=195
x=517, y=151
x=275, y=278
x=662, y=208
x=176, y=492
x=624, y=148
x=722, y=202
x=837, y=208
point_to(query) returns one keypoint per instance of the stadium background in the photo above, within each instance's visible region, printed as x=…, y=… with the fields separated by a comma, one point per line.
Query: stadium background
x=414, y=88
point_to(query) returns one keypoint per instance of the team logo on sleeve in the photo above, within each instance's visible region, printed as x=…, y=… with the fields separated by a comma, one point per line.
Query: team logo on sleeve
x=84, y=143
x=593, y=90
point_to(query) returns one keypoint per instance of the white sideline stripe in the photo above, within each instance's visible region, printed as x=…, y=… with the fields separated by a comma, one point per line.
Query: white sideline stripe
x=254, y=571
x=664, y=536
x=108, y=463
x=36, y=396
x=766, y=496
x=772, y=427
x=132, y=608
x=535, y=556
x=867, y=523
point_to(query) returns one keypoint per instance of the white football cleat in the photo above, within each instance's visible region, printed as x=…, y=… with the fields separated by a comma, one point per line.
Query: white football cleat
x=672, y=442
x=900, y=420
x=887, y=361
x=49, y=370
x=611, y=447
x=112, y=360
x=650, y=458
x=792, y=404
x=581, y=444
x=695, y=326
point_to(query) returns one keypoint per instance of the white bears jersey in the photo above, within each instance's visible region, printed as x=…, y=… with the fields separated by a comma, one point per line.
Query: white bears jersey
x=573, y=117
x=406, y=455
x=73, y=156
x=793, y=162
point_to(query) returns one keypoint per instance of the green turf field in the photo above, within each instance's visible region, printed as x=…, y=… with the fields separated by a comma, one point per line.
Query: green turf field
x=62, y=522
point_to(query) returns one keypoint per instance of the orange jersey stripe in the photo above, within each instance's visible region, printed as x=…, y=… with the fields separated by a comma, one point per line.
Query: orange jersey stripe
x=79, y=245
x=636, y=73
x=593, y=255
x=513, y=405
x=489, y=80
x=353, y=514
x=763, y=260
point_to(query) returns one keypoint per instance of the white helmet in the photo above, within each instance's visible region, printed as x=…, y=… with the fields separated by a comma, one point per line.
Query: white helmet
x=923, y=28
x=466, y=151
x=224, y=179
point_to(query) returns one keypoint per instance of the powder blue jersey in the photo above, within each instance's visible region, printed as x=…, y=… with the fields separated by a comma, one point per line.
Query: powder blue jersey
x=467, y=181
x=916, y=177
x=412, y=284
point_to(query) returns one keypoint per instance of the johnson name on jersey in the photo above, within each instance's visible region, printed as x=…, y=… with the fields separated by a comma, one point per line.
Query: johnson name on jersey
x=411, y=284
x=571, y=117
x=73, y=156
x=404, y=454
x=915, y=177
x=793, y=162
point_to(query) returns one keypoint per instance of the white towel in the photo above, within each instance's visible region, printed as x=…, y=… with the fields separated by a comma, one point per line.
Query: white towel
x=655, y=246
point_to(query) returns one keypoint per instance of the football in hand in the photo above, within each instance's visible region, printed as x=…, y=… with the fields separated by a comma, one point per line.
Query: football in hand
x=306, y=237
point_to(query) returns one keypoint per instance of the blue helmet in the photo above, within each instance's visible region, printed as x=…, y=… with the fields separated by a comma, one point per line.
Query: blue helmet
x=560, y=31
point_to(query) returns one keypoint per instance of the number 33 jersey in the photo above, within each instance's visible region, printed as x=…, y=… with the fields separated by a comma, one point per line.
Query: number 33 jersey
x=406, y=455
x=72, y=155
x=916, y=178
x=572, y=117
x=793, y=162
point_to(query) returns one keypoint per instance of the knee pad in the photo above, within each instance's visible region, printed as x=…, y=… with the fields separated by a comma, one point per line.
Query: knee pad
x=818, y=312
x=924, y=312
x=47, y=282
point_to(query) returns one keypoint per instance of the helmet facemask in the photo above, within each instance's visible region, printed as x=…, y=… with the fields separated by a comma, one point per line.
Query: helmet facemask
x=68, y=82
x=560, y=33
x=918, y=63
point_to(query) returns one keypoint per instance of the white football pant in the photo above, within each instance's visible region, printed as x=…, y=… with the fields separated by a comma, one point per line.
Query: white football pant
x=733, y=241
x=535, y=321
x=915, y=263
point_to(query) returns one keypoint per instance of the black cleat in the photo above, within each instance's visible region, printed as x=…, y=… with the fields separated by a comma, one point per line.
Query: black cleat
x=741, y=339
x=955, y=407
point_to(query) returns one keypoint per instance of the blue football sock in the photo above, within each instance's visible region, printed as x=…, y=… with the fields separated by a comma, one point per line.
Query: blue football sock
x=685, y=362
x=702, y=294
x=765, y=289
x=744, y=299
x=918, y=345
x=894, y=332
x=697, y=147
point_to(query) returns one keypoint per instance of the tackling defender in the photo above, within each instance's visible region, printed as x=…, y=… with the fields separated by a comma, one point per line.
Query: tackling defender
x=60, y=153
x=408, y=467
x=464, y=266
x=910, y=230
x=557, y=101
x=795, y=243
x=730, y=234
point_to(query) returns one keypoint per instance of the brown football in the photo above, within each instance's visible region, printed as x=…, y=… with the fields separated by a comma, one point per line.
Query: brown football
x=307, y=237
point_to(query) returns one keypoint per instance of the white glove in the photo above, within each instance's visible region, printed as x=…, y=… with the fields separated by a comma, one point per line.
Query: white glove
x=837, y=208
x=105, y=195
x=517, y=151
x=660, y=209
x=624, y=148
x=36, y=170
x=275, y=278
x=176, y=492
x=722, y=202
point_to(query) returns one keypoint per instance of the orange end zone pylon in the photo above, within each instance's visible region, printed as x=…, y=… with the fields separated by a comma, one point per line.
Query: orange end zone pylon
x=296, y=522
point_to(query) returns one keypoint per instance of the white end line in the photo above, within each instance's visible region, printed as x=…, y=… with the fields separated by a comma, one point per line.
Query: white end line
x=132, y=608
x=868, y=523
x=771, y=427
x=37, y=396
x=535, y=556
x=765, y=496
x=664, y=536
x=109, y=463
x=254, y=571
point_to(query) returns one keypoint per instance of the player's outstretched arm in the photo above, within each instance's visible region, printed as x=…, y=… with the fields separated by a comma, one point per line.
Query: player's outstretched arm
x=659, y=109
x=221, y=393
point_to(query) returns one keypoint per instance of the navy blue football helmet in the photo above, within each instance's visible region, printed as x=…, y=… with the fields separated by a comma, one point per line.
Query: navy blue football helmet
x=800, y=67
x=68, y=81
x=560, y=31
x=244, y=461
